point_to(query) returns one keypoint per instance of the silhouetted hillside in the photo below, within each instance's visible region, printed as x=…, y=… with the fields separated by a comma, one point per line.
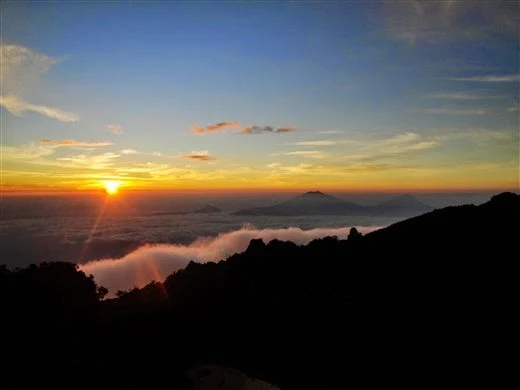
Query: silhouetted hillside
x=401, y=205
x=318, y=203
x=425, y=302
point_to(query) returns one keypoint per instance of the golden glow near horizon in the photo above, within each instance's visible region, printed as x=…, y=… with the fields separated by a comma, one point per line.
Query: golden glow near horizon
x=301, y=123
x=111, y=186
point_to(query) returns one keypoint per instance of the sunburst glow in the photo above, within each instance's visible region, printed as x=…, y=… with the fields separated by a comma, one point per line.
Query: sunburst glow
x=111, y=186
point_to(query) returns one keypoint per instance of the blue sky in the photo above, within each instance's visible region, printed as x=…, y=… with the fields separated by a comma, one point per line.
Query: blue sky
x=402, y=94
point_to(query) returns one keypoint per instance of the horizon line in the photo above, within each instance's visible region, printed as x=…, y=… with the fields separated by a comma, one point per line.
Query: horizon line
x=249, y=191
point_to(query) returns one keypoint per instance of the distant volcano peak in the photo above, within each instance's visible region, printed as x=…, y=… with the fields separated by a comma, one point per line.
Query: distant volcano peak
x=315, y=197
x=314, y=193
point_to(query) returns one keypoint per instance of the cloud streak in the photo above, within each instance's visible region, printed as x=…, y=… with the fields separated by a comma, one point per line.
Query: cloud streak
x=200, y=155
x=70, y=142
x=320, y=143
x=254, y=129
x=17, y=106
x=454, y=111
x=480, y=136
x=266, y=129
x=460, y=96
x=101, y=161
x=156, y=262
x=307, y=153
x=213, y=128
x=129, y=151
x=331, y=132
x=510, y=78
x=399, y=143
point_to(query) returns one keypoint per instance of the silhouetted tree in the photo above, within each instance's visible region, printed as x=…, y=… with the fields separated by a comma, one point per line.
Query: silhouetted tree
x=354, y=234
x=101, y=292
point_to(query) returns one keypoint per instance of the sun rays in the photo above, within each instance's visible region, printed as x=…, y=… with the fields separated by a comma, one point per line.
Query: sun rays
x=111, y=186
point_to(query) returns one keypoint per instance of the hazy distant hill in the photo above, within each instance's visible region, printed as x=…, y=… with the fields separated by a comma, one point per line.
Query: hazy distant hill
x=401, y=205
x=318, y=203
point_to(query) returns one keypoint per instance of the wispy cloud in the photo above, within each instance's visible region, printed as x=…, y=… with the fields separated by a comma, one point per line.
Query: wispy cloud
x=307, y=153
x=129, y=151
x=100, y=161
x=479, y=136
x=513, y=109
x=320, y=143
x=213, y=128
x=198, y=155
x=115, y=129
x=21, y=66
x=460, y=96
x=398, y=139
x=300, y=168
x=70, y=142
x=331, y=132
x=22, y=69
x=17, y=106
x=508, y=78
x=396, y=144
x=415, y=21
x=422, y=145
x=29, y=152
x=402, y=144
x=368, y=154
x=426, y=21
x=266, y=129
x=454, y=111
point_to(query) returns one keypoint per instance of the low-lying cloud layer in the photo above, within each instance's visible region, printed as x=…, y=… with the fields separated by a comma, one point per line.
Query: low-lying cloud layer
x=156, y=262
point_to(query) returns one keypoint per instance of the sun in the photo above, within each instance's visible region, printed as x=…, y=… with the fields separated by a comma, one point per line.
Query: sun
x=111, y=186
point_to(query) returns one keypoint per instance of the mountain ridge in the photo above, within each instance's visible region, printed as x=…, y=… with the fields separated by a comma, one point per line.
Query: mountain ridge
x=319, y=203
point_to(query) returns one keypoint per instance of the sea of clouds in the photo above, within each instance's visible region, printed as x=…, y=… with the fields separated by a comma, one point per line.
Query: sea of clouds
x=127, y=244
x=155, y=262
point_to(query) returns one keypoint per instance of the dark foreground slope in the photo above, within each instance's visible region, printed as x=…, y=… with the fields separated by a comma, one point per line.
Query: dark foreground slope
x=426, y=302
